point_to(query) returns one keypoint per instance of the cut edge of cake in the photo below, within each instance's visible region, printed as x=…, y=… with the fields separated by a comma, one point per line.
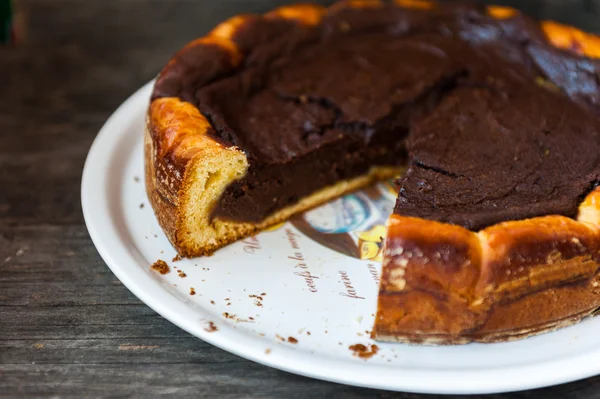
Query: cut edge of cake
x=183, y=202
x=444, y=284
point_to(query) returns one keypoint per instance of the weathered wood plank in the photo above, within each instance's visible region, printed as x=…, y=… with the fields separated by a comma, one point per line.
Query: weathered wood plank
x=147, y=350
x=225, y=379
x=173, y=380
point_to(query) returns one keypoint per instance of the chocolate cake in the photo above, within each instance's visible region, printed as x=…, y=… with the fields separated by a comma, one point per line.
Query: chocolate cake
x=493, y=115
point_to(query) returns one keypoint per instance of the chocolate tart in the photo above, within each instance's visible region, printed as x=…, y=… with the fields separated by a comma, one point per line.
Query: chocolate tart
x=495, y=234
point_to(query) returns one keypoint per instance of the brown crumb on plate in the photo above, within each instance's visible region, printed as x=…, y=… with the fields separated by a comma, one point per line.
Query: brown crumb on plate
x=292, y=340
x=363, y=351
x=176, y=258
x=211, y=327
x=233, y=317
x=181, y=273
x=192, y=291
x=161, y=267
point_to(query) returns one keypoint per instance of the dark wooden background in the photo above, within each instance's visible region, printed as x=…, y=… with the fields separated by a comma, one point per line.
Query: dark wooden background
x=68, y=327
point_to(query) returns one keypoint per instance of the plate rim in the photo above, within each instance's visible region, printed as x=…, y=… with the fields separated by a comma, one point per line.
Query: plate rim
x=104, y=234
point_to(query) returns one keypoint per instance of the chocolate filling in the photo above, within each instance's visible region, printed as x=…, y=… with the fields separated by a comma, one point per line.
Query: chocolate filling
x=493, y=122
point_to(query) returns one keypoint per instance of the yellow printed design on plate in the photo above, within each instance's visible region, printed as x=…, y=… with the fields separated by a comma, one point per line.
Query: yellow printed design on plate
x=370, y=243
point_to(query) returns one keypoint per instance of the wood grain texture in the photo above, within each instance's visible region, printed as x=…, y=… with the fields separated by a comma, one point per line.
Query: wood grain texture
x=68, y=327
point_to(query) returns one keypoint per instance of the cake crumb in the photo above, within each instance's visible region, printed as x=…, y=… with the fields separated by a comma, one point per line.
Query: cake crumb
x=192, y=291
x=212, y=302
x=257, y=299
x=308, y=333
x=279, y=337
x=211, y=327
x=363, y=351
x=228, y=316
x=233, y=317
x=267, y=351
x=292, y=340
x=141, y=205
x=161, y=266
x=176, y=258
x=181, y=273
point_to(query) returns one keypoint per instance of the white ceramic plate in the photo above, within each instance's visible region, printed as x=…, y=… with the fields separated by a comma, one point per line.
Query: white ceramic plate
x=311, y=285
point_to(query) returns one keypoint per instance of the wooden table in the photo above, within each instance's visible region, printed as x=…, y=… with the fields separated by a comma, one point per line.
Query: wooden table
x=68, y=327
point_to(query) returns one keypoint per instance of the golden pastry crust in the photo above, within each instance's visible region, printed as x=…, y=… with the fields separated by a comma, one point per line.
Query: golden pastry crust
x=187, y=167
